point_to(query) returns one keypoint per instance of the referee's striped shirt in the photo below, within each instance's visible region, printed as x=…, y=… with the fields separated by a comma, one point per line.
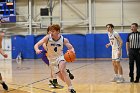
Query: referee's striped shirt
x=134, y=40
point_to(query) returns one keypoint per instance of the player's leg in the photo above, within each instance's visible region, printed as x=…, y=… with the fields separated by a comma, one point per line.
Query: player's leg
x=115, y=71
x=114, y=67
x=61, y=76
x=53, y=81
x=54, y=69
x=62, y=68
x=53, y=77
x=70, y=74
x=3, y=83
x=120, y=70
x=114, y=62
x=118, y=64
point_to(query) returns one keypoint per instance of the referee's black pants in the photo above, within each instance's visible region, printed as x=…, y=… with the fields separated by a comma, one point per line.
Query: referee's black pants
x=134, y=56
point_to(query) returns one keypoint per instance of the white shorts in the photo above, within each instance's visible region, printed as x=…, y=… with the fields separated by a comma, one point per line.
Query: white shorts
x=115, y=55
x=54, y=64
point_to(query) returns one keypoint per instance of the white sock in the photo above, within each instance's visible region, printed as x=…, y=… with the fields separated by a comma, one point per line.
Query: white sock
x=121, y=76
x=116, y=75
x=70, y=87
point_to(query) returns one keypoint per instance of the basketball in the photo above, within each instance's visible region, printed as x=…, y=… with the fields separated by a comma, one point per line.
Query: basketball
x=70, y=56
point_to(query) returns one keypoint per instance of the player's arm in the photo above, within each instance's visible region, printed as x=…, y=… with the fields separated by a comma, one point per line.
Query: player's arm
x=3, y=53
x=2, y=21
x=120, y=41
x=39, y=43
x=68, y=45
x=107, y=45
x=1, y=50
x=120, y=44
x=44, y=46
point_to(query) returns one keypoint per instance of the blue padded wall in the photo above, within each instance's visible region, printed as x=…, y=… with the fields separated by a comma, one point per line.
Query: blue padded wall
x=18, y=45
x=90, y=46
x=86, y=46
x=100, y=50
x=124, y=37
x=23, y=44
x=37, y=38
x=79, y=43
x=29, y=52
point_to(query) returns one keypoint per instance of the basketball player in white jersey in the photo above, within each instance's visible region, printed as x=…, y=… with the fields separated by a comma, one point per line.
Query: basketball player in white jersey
x=57, y=63
x=53, y=79
x=5, y=56
x=116, y=43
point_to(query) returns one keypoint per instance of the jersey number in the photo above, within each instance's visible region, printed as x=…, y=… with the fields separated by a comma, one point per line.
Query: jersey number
x=55, y=49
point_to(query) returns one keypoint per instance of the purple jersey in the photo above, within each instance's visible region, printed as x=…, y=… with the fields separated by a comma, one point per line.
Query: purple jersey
x=44, y=57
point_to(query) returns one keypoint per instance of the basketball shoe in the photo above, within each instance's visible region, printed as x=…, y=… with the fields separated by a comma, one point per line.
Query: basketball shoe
x=54, y=84
x=4, y=86
x=137, y=80
x=120, y=80
x=131, y=79
x=114, y=79
x=72, y=91
x=70, y=74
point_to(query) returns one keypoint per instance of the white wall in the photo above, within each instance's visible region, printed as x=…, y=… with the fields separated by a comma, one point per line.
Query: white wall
x=109, y=11
x=73, y=11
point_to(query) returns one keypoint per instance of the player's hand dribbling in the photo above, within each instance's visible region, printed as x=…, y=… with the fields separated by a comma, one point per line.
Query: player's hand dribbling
x=71, y=51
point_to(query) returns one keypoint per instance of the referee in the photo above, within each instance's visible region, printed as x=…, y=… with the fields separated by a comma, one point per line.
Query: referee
x=133, y=52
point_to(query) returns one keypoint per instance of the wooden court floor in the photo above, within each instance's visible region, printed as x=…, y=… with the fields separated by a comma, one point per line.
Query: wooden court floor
x=31, y=76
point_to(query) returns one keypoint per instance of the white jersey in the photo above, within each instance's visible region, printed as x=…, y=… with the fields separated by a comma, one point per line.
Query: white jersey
x=55, y=48
x=113, y=40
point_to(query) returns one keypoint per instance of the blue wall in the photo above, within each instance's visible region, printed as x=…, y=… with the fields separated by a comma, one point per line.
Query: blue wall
x=86, y=46
x=78, y=41
x=100, y=50
x=17, y=45
x=37, y=38
x=23, y=44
